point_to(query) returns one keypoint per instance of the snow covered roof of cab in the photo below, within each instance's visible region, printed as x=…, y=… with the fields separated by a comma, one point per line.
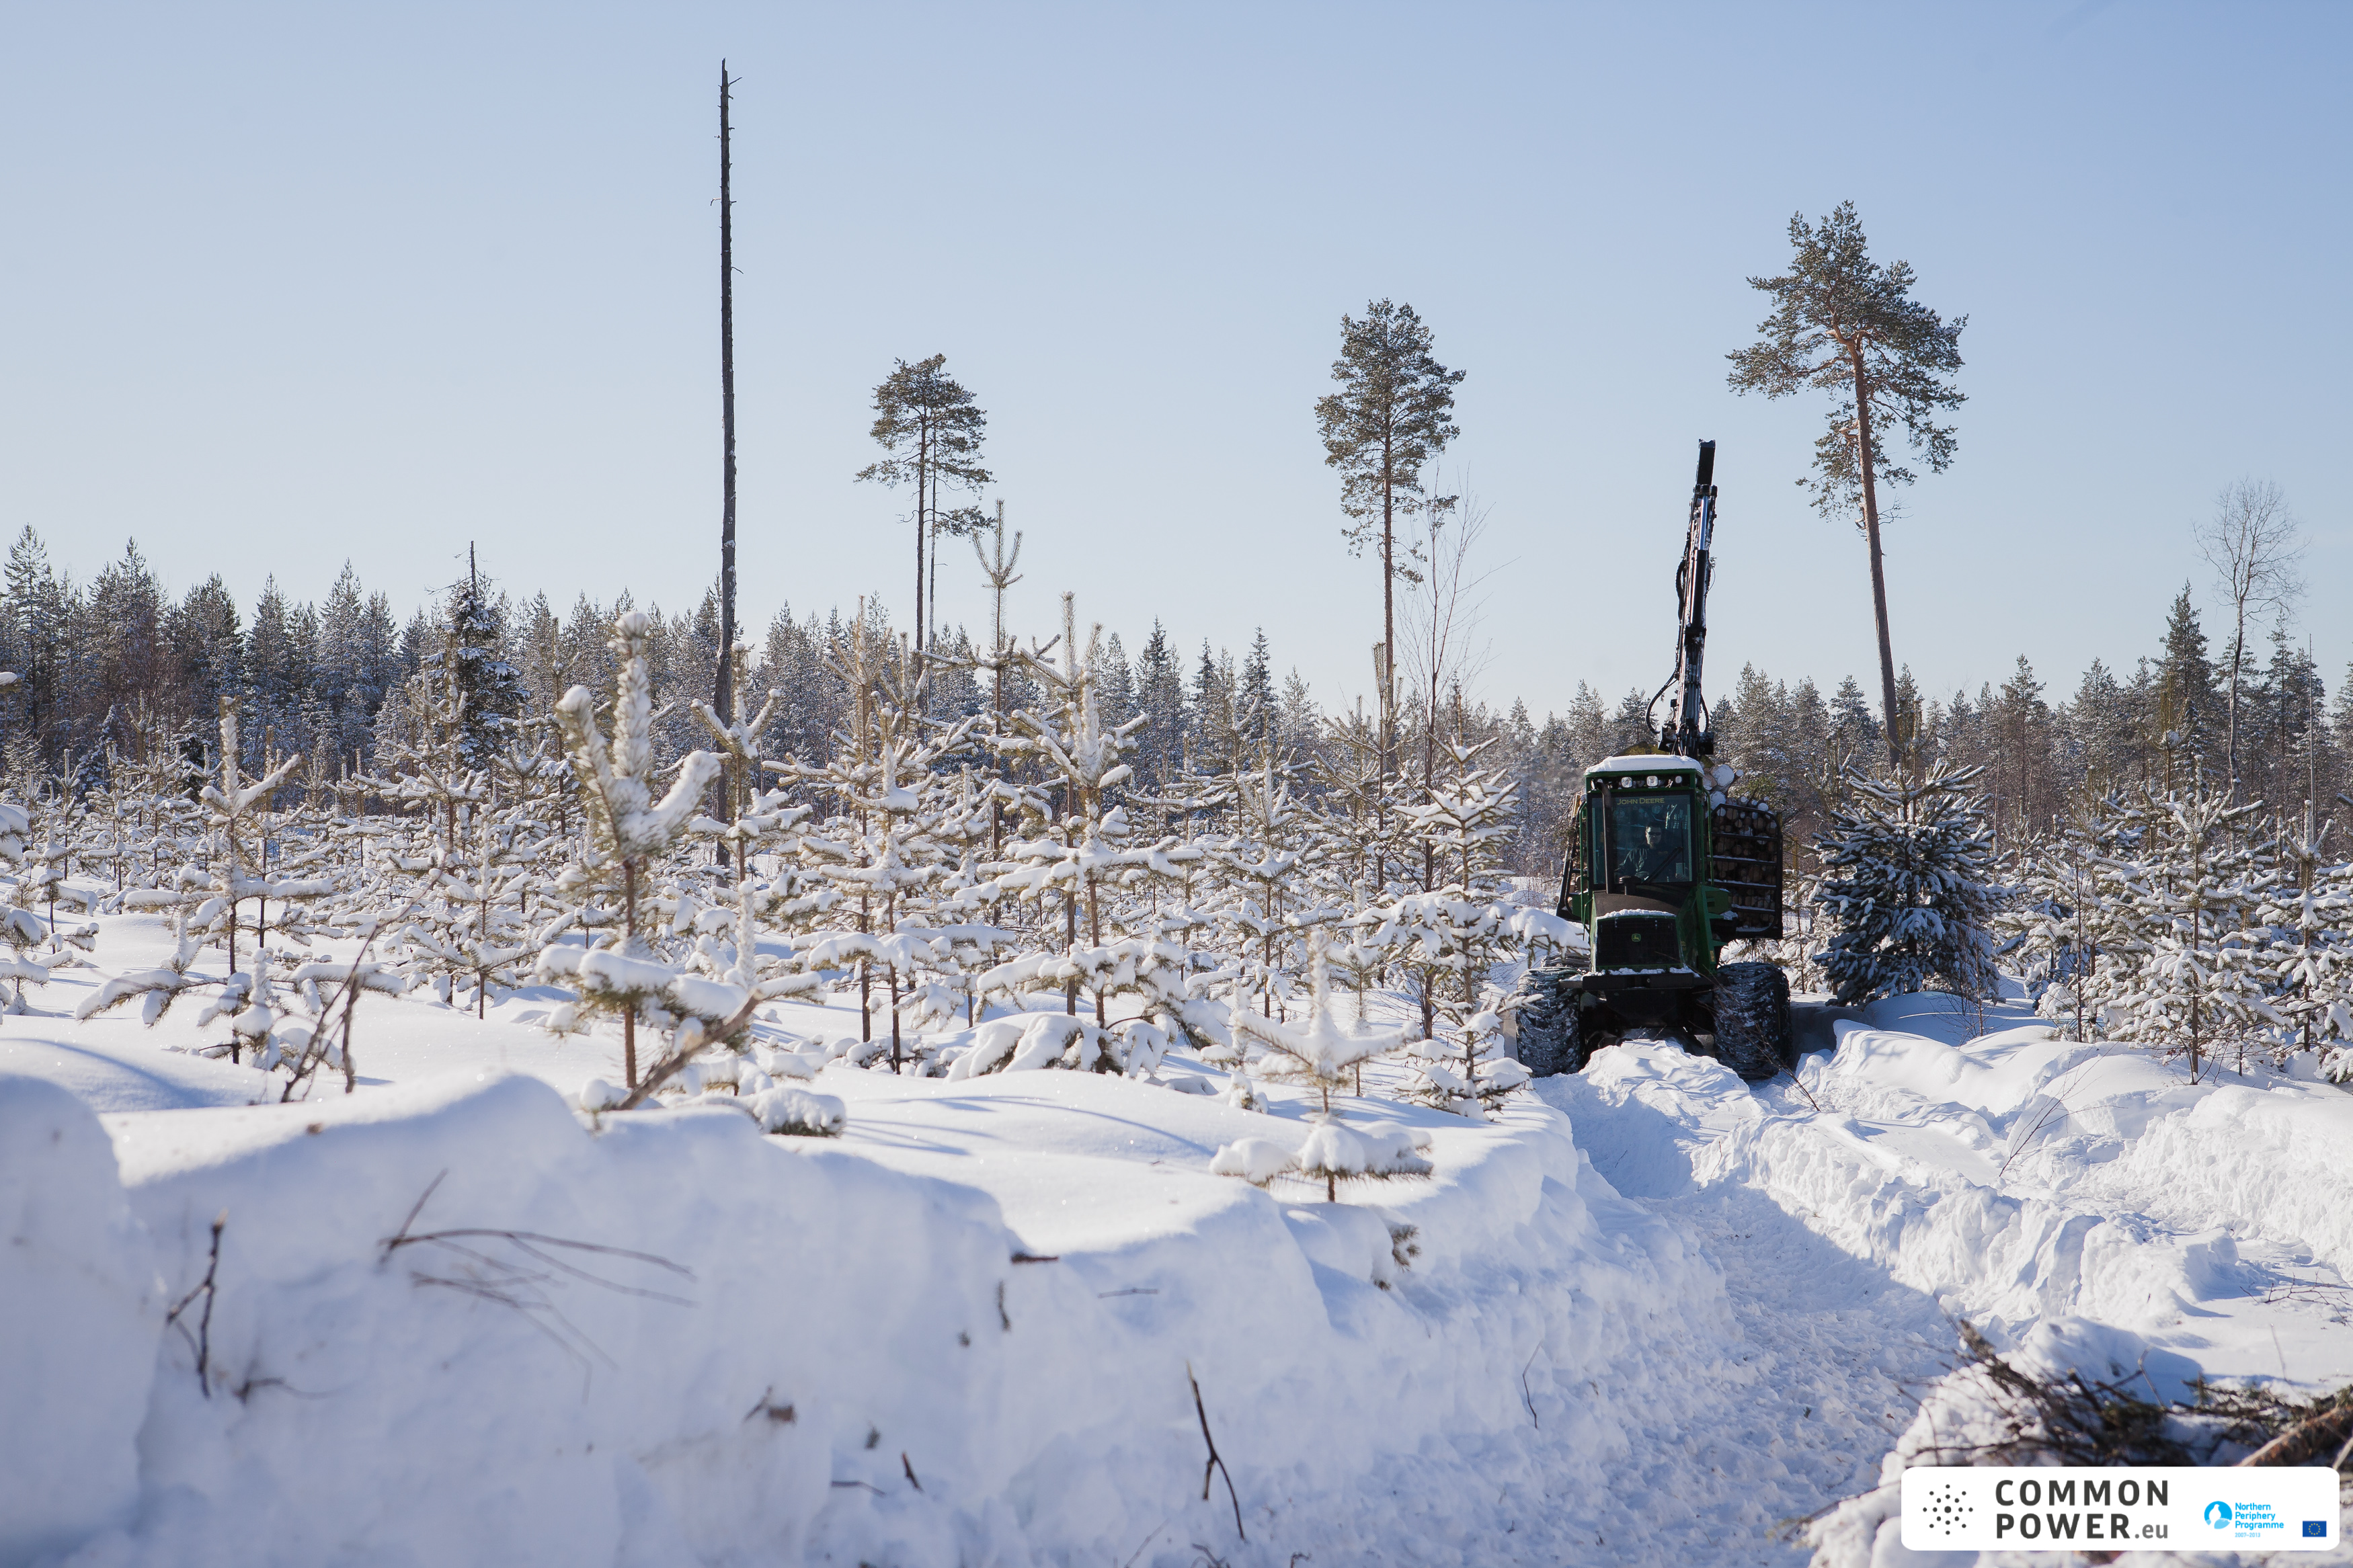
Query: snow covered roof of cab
x=1657, y=764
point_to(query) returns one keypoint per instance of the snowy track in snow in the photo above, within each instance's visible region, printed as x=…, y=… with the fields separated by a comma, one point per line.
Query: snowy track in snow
x=2083, y=1205
x=1831, y=1352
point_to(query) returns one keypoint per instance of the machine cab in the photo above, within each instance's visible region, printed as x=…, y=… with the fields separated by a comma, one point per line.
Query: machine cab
x=1638, y=864
x=1663, y=868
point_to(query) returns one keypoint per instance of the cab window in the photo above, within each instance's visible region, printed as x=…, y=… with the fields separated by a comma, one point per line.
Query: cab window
x=1650, y=839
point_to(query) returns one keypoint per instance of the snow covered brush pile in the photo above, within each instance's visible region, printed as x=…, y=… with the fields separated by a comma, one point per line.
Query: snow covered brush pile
x=939, y=870
x=2024, y=1415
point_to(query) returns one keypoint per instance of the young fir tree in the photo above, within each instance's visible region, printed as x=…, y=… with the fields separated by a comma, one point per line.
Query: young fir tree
x=20, y=929
x=1321, y=1055
x=1364, y=810
x=1907, y=888
x=1160, y=698
x=2189, y=702
x=1468, y=1069
x=1844, y=324
x=238, y=850
x=1270, y=881
x=1447, y=933
x=436, y=760
x=2311, y=909
x=472, y=661
x=741, y=741
x=2075, y=909
x=474, y=923
x=1079, y=850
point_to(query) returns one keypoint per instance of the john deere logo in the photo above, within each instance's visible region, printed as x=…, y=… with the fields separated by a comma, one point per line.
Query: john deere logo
x=1947, y=1510
x=2218, y=1515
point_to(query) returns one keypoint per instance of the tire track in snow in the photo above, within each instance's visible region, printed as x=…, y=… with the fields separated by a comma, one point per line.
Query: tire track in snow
x=1831, y=1352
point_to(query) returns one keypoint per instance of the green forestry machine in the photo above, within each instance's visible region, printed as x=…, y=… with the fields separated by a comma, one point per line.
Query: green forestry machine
x=1664, y=868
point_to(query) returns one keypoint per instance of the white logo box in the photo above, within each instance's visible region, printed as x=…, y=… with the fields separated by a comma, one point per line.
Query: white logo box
x=2123, y=1508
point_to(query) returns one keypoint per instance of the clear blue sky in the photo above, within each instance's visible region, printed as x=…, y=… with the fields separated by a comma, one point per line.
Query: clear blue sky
x=284, y=285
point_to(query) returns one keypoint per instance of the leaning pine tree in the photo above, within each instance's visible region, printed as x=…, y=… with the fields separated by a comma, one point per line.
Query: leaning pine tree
x=1907, y=888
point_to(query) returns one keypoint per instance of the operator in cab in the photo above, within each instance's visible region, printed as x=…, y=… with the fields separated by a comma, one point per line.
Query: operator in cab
x=1652, y=841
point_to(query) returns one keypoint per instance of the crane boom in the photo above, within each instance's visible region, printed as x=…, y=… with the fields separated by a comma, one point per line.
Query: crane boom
x=1686, y=731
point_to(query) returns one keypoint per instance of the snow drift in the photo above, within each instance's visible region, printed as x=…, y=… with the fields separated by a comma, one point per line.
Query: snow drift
x=450, y=1324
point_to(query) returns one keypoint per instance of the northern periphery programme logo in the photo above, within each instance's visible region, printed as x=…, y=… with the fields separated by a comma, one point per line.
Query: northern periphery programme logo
x=2218, y=1515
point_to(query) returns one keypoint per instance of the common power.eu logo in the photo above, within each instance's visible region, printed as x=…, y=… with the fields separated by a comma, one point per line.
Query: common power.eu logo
x=1949, y=1511
x=2123, y=1508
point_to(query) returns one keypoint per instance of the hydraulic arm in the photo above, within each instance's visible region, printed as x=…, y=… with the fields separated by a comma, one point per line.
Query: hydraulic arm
x=1686, y=731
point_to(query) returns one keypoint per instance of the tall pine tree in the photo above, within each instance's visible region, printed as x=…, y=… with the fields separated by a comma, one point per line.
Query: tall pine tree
x=1841, y=323
x=1393, y=412
x=932, y=430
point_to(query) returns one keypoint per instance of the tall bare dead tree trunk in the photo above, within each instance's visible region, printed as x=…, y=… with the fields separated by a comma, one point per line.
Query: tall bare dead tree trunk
x=723, y=701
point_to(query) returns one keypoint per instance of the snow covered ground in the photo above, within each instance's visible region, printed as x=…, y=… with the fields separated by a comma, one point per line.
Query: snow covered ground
x=1651, y=1315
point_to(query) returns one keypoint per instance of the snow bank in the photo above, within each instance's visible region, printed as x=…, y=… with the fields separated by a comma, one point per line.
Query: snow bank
x=2018, y=1178
x=2277, y=1162
x=2108, y=1126
x=673, y=1340
x=78, y=1291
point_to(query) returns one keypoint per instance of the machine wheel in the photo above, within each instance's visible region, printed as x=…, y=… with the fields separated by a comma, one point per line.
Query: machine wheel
x=1547, y=1034
x=1752, y=1020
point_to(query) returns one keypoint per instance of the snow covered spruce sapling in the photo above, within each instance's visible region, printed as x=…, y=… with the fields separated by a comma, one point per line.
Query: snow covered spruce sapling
x=2316, y=972
x=629, y=834
x=629, y=831
x=1321, y=1055
x=205, y=901
x=1466, y=1070
x=20, y=928
x=1083, y=863
x=2199, y=989
x=1268, y=879
x=1907, y=888
x=2077, y=908
x=748, y=814
x=22, y=931
x=236, y=809
x=888, y=843
x=1074, y=856
x=473, y=921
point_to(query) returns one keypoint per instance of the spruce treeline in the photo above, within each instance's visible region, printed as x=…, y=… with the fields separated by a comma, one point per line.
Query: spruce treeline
x=127, y=664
